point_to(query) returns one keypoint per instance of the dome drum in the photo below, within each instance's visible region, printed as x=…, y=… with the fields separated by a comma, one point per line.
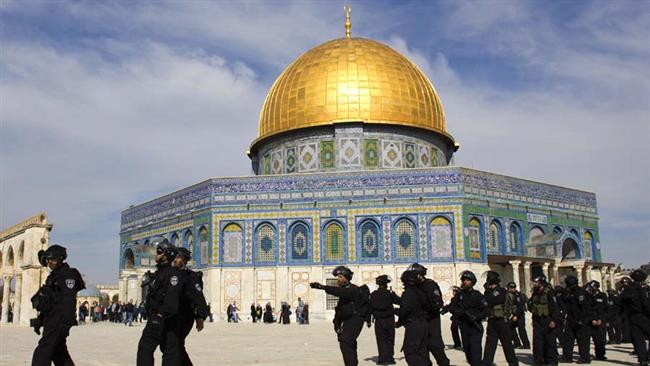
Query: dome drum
x=350, y=147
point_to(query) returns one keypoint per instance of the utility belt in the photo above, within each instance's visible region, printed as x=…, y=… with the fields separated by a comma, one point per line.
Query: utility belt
x=497, y=311
x=540, y=310
x=383, y=314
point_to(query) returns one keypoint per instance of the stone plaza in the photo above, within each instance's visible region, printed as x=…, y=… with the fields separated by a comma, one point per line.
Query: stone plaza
x=222, y=344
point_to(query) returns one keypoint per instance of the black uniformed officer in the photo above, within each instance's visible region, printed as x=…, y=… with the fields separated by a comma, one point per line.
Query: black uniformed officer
x=348, y=321
x=501, y=311
x=381, y=302
x=434, y=304
x=600, y=310
x=635, y=302
x=470, y=308
x=518, y=324
x=56, y=303
x=413, y=316
x=162, y=304
x=192, y=305
x=560, y=296
x=546, y=317
x=454, y=323
x=614, y=323
x=578, y=321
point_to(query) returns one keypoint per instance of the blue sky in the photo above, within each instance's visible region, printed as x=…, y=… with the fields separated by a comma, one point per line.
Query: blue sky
x=107, y=104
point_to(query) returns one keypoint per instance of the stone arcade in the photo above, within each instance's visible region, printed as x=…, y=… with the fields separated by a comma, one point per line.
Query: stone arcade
x=352, y=166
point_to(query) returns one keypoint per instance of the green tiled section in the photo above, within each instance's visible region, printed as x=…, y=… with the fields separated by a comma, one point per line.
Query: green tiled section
x=409, y=155
x=266, y=164
x=290, y=160
x=327, y=156
x=371, y=153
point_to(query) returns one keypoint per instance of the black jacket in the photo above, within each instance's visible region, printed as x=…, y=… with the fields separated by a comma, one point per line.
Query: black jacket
x=193, y=305
x=64, y=283
x=381, y=302
x=578, y=307
x=412, y=305
x=470, y=307
x=345, y=306
x=164, y=295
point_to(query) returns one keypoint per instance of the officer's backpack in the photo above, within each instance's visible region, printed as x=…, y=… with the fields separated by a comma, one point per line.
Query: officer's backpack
x=362, y=306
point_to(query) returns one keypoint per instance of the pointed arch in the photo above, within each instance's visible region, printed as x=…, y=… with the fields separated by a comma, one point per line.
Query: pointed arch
x=587, y=244
x=405, y=239
x=204, y=237
x=233, y=238
x=334, y=242
x=515, y=236
x=174, y=240
x=128, y=259
x=300, y=241
x=265, y=243
x=495, y=236
x=441, y=235
x=370, y=239
x=21, y=253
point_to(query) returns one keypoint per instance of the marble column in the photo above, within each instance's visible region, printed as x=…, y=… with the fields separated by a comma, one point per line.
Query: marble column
x=604, y=285
x=580, y=274
x=5, y=299
x=545, y=267
x=515, y=273
x=18, y=297
x=612, y=281
x=526, y=280
x=555, y=275
x=588, y=270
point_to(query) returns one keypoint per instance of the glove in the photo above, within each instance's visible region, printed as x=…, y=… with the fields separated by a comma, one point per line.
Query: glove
x=316, y=285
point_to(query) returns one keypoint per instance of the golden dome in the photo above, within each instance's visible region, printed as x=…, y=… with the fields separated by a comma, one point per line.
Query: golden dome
x=351, y=80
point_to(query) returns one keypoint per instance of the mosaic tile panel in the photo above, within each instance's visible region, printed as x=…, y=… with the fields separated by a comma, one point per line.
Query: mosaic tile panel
x=232, y=289
x=441, y=239
x=352, y=255
x=299, y=242
x=233, y=238
x=291, y=161
x=265, y=242
x=266, y=164
x=422, y=228
x=386, y=230
x=308, y=157
x=282, y=230
x=276, y=162
x=248, y=252
x=425, y=156
x=370, y=239
x=334, y=242
x=391, y=154
x=410, y=156
x=327, y=155
x=371, y=153
x=405, y=239
x=349, y=152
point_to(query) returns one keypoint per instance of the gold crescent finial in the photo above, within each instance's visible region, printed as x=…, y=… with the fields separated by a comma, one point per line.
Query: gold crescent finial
x=348, y=25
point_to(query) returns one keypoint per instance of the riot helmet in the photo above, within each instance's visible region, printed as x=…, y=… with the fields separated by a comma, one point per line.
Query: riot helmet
x=492, y=278
x=638, y=275
x=344, y=271
x=184, y=253
x=418, y=269
x=511, y=285
x=468, y=275
x=571, y=281
x=409, y=277
x=540, y=278
x=164, y=247
x=382, y=280
x=626, y=281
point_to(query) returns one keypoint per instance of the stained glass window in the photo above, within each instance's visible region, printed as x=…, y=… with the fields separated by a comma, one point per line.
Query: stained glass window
x=334, y=242
x=370, y=239
x=441, y=241
x=265, y=244
x=474, y=235
x=232, y=243
x=299, y=241
x=587, y=242
x=404, y=239
x=515, y=236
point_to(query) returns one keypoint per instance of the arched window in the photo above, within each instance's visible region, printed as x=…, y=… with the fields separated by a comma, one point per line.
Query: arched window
x=233, y=238
x=21, y=253
x=535, y=234
x=587, y=243
x=265, y=243
x=474, y=229
x=299, y=241
x=441, y=242
x=557, y=230
x=334, y=243
x=370, y=240
x=405, y=239
x=174, y=240
x=494, y=239
x=129, y=259
x=188, y=240
x=515, y=236
x=203, y=240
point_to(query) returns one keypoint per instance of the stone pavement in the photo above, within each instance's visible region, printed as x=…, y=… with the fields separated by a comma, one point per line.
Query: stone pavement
x=241, y=344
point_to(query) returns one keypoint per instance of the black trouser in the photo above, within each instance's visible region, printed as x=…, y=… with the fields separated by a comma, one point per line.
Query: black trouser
x=498, y=329
x=572, y=333
x=415, y=348
x=347, y=337
x=519, y=334
x=614, y=330
x=598, y=334
x=472, y=335
x=185, y=329
x=165, y=334
x=544, y=341
x=455, y=334
x=52, y=346
x=640, y=332
x=435, y=344
x=561, y=330
x=385, y=335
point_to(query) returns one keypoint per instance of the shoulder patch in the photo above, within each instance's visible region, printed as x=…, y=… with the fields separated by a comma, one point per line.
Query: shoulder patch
x=69, y=283
x=198, y=287
x=496, y=293
x=581, y=298
x=173, y=280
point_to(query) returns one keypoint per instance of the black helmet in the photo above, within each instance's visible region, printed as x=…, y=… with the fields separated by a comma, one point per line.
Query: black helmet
x=559, y=290
x=468, y=275
x=511, y=285
x=492, y=277
x=343, y=270
x=382, y=280
x=594, y=284
x=184, y=253
x=54, y=251
x=638, y=275
x=612, y=292
x=571, y=281
x=540, y=278
x=626, y=281
x=418, y=269
x=409, y=277
x=163, y=246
